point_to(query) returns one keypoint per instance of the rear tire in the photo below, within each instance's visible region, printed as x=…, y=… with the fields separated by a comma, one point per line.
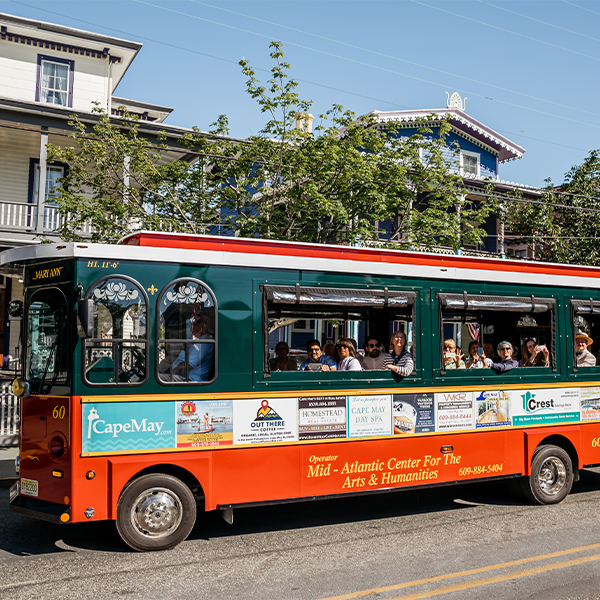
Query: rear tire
x=155, y=512
x=551, y=476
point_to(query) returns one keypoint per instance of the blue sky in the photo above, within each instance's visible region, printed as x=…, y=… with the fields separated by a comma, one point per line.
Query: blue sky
x=528, y=68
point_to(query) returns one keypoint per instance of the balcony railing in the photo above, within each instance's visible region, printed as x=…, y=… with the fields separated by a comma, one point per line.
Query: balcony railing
x=10, y=407
x=18, y=216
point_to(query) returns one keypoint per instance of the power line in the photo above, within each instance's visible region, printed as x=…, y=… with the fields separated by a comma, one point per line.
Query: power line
x=581, y=7
x=364, y=64
x=410, y=62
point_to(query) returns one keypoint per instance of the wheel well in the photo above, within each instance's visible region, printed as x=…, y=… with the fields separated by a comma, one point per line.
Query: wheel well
x=567, y=446
x=180, y=473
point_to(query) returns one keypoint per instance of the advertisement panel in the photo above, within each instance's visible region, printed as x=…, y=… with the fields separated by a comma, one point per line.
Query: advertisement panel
x=322, y=417
x=540, y=407
x=108, y=427
x=257, y=421
x=454, y=411
x=369, y=416
x=493, y=409
x=590, y=403
x=204, y=423
x=413, y=413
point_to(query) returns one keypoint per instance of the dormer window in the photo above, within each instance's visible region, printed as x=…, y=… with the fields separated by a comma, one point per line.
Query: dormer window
x=55, y=81
x=469, y=163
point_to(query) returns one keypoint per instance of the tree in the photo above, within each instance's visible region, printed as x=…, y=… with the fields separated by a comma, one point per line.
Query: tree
x=564, y=226
x=331, y=186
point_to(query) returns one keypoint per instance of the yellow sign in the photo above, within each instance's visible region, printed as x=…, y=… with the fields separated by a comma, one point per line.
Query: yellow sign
x=47, y=273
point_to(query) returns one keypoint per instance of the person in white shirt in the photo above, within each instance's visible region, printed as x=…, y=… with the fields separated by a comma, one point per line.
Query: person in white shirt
x=346, y=350
x=374, y=358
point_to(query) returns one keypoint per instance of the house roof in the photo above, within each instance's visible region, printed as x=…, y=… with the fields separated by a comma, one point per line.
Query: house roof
x=74, y=41
x=463, y=124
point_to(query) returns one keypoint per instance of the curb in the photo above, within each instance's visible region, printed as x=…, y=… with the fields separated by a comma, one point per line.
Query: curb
x=7, y=481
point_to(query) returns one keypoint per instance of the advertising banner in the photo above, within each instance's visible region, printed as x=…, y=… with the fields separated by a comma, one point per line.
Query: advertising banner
x=107, y=427
x=590, y=403
x=204, y=423
x=322, y=417
x=413, y=413
x=539, y=407
x=257, y=421
x=454, y=411
x=493, y=409
x=369, y=415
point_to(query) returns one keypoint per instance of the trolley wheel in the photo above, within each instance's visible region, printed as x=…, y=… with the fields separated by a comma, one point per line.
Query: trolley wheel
x=551, y=476
x=155, y=512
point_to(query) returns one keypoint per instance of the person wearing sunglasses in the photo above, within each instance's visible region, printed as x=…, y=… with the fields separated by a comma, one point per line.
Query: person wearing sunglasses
x=507, y=362
x=401, y=361
x=346, y=351
x=317, y=361
x=374, y=358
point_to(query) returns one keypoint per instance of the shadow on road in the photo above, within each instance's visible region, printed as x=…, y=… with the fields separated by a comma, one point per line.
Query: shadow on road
x=23, y=536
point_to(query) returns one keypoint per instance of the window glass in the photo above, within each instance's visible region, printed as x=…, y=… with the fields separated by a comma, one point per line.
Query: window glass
x=470, y=164
x=117, y=352
x=186, y=333
x=311, y=329
x=54, y=84
x=46, y=339
x=586, y=329
x=473, y=327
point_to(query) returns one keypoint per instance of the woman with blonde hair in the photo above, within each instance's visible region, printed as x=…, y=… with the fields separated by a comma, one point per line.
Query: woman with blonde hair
x=401, y=361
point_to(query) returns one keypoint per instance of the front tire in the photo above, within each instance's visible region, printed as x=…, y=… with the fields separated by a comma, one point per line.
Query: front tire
x=155, y=512
x=551, y=476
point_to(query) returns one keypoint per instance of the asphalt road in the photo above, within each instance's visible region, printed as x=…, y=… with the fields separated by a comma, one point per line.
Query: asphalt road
x=470, y=541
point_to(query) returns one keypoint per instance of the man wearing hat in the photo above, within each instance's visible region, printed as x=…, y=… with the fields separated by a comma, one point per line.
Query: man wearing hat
x=584, y=357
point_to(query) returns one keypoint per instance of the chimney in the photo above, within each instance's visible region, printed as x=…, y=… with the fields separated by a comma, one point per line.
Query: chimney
x=304, y=122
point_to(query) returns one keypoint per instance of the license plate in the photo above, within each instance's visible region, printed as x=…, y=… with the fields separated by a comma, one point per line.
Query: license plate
x=29, y=487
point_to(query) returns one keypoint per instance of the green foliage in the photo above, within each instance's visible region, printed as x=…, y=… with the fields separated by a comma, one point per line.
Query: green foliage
x=333, y=185
x=562, y=228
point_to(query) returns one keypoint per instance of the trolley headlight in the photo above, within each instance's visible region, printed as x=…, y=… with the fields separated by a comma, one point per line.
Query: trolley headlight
x=20, y=388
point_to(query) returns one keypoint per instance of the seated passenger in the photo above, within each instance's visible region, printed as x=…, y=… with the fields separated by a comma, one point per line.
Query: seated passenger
x=477, y=360
x=201, y=357
x=453, y=357
x=346, y=349
x=317, y=361
x=488, y=352
x=329, y=349
x=507, y=362
x=400, y=360
x=282, y=362
x=374, y=358
x=534, y=355
x=584, y=357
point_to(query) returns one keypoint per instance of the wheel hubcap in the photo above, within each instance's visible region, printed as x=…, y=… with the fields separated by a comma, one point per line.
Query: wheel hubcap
x=156, y=512
x=552, y=476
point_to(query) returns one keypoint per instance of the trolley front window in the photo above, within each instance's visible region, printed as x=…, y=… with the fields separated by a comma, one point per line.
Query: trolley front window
x=45, y=359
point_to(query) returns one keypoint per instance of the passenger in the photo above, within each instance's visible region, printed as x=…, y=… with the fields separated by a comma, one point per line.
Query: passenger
x=453, y=357
x=374, y=358
x=201, y=356
x=534, y=355
x=584, y=357
x=282, y=362
x=401, y=361
x=346, y=349
x=488, y=351
x=476, y=359
x=507, y=362
x=329, y=349
x=317, y=361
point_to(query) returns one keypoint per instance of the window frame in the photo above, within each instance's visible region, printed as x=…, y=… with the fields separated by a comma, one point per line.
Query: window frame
x=84, y=345
x=475, y=155
x=573, y=302
x=158, y=339
x=533, y=300
x=42, y=58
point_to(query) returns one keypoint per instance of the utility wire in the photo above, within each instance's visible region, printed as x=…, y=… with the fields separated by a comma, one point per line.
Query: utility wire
x=364, y=64
x=409, y=62
x=581, y=7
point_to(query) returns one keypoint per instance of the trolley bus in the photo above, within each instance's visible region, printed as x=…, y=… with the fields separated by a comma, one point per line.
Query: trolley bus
x=148, y=393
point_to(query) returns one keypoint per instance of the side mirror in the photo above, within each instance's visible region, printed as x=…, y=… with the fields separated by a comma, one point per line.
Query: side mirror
x=85, y=318
x=15, y=309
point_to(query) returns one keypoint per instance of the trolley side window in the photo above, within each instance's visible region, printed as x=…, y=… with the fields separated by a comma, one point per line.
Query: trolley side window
x=296, y=316
x=46, y=358
x=474, y=325
x=186, y=334
x=117, y=352
x=586, y=329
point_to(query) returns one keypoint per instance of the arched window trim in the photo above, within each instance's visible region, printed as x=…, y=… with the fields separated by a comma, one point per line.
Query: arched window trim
x=158, y=339
x=146, y=341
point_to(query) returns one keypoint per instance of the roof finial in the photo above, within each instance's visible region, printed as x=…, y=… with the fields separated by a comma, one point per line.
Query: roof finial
x=455, y=101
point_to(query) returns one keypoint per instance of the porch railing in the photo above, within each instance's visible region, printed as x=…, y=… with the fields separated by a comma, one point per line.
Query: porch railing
x=23, y=217
x=10, y=414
